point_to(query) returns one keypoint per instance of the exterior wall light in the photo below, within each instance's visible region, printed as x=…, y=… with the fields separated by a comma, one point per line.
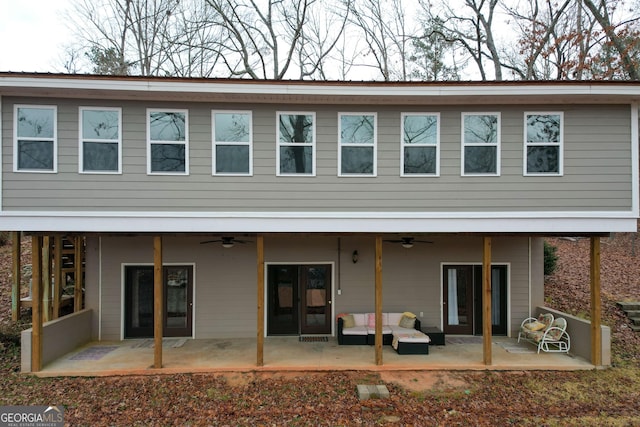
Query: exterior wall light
x=354, y=256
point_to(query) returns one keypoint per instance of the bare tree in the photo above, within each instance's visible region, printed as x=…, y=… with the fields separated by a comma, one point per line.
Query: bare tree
x=538, y=42
x=194, y=52
x=319, y=38
x=383, y=27
x=472, y=28
x=262, y=38
x=624, y=41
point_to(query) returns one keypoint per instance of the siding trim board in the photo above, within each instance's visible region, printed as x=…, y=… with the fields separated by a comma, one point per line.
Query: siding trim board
x=337, y=222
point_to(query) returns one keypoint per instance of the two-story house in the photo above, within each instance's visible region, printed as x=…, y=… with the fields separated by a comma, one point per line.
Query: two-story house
x=259, y=208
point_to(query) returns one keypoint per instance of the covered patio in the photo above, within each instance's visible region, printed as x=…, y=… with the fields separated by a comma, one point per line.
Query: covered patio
x=289, y=353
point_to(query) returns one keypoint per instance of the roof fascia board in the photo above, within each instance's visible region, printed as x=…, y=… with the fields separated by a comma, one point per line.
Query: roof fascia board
x=401, y=90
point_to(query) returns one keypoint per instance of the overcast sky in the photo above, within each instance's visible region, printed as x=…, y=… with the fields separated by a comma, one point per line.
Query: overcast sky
x=31, y=34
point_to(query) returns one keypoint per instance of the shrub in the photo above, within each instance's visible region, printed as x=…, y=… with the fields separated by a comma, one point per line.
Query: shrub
x=550, y=258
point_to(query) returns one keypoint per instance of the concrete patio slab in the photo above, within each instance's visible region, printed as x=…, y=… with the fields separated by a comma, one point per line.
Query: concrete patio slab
x=131, y=357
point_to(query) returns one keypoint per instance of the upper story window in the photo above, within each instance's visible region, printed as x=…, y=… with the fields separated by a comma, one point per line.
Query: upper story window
x=100, y=140
x=357, y=144
x=232, y=142
x=420, y=144
x=480, y=143
x=167, y=140
x=543, y=143
x=296, y=144
x=35, y=138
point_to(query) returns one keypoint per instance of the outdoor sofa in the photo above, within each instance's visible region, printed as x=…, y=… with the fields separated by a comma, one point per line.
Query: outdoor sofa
x=400, y=330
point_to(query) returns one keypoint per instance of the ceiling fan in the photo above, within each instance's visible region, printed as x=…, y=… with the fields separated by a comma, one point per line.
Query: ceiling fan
x=227, y=241
x=407, y=242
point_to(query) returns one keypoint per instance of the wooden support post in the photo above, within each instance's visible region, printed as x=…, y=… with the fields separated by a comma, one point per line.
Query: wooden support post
x=16, y=276
x=486, y=300
x=260, y=272
x=78, y=276
x=596, y=306
x=57, y=276
x=158, y=302
x=46, y=278
x=378, y=300
x=36, y=306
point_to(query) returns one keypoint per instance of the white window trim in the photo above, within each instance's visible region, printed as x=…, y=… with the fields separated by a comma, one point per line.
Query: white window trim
x=312, y=144
x=54, y=140
x=498, y=143
x=540, y=144
x=216, y=143
x=403, y=145
x=375, y=145
x=81, y=141
x=185, y=142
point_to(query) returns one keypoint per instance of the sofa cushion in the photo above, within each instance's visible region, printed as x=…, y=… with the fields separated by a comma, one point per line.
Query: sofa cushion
x=396, y=329
x=386, y=329
x=356, y=330
x=394, y=318
x=360, y=319
x=348, y=321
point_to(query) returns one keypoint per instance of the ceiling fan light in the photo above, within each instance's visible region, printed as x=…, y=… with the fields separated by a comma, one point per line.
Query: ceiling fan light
x=227, y=245
x=407, y=245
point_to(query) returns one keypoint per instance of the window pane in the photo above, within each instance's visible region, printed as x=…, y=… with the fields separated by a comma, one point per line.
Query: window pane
x=100, y=124
x=35, y=155
x=296, y=160
x=479, y=159
x=232, y=159
x=543, y=159
x=232, y=127
x=167, y=158
x=35, y=122
x=480, y=129
x=356, y=130
x=100, y=156
x=543, y=128
x=167, y=126
x=357, y=160
x=420, y=129
x=420, y=160
x=296, y=128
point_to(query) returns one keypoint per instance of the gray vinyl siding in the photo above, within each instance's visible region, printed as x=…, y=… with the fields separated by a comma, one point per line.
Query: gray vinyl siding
x=225, y=280
x=597, y=166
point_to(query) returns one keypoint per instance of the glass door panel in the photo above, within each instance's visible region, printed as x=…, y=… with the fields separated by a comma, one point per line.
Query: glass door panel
x=139, y=302
x=282, y=284
x=316, y=304
x=178, y=301
x=458, y=299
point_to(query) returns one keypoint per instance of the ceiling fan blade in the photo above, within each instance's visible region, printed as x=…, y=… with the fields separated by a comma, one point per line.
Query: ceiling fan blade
x=210, y=241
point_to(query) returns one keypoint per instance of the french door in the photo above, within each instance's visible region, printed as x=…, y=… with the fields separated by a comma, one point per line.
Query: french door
x=462, y=299
x=299, y=299
x=178, y=301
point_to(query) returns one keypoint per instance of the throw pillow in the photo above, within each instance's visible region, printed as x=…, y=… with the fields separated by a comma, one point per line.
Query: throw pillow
x=407, y=322
x=409, y=314
x=371, y=320
x=348, y=321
